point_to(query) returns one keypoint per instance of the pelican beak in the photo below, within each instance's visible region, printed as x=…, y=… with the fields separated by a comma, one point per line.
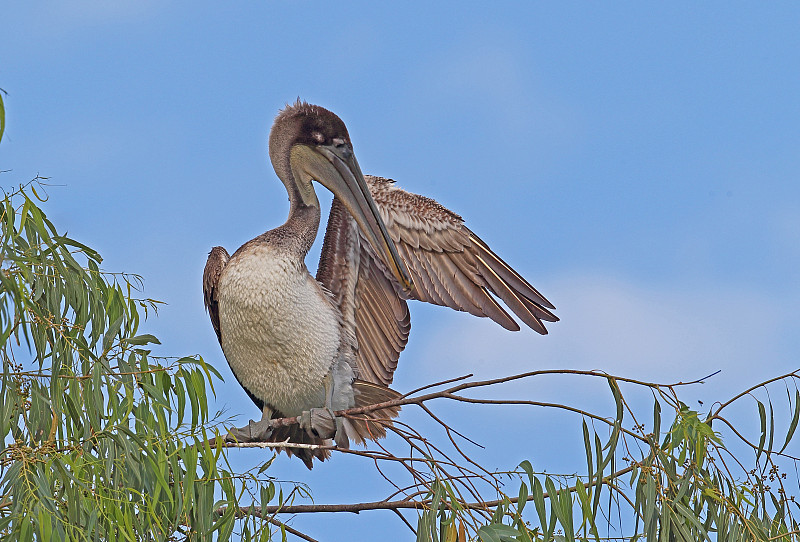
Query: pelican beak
x=347, y=183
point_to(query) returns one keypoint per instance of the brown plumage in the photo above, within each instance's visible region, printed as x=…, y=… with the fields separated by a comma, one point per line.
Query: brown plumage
x=449, y=265
x=382, y=246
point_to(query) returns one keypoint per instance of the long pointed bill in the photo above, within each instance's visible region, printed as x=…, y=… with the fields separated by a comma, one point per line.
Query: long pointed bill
x=351, y=188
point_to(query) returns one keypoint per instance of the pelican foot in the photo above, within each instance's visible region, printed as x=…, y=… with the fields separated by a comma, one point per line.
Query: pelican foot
x=259, y=431
x=319, y=422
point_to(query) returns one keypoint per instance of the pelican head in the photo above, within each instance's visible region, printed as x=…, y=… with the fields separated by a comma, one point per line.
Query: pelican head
x=309, y=143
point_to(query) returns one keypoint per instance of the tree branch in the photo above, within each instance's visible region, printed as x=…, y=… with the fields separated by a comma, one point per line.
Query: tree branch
x=403, y=504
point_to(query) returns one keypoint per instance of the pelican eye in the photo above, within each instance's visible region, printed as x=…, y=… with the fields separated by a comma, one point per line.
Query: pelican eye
x=318, y=137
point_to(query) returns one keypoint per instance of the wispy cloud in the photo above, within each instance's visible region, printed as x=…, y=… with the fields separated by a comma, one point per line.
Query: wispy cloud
x=663, y=334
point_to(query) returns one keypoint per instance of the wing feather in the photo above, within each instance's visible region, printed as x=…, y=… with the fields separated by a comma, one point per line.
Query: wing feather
x=452, y=266
x=217, y=260
x=448, y=263
x=372, y=309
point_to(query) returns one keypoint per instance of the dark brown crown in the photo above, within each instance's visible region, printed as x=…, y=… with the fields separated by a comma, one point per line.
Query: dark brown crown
x=307, y=124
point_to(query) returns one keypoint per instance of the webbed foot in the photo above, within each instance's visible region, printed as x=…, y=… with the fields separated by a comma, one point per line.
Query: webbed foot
x=259, y=431
x=319, y=422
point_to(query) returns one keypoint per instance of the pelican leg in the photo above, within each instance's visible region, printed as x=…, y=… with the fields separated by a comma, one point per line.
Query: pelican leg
x=259, y=431
x=321, y=422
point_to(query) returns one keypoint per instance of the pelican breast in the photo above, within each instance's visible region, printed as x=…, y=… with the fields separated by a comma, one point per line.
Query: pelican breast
x=279, y=330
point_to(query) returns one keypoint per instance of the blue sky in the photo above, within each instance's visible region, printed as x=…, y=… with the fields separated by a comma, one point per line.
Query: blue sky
x=637, y=162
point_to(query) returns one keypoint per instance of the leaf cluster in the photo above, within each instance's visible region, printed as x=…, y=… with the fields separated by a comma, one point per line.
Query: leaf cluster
x=680, y=483
x=100, y=439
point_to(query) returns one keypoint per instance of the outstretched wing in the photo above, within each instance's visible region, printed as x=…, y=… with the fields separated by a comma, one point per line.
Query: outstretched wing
x=449, y=265
x=452, y=266
x=217, y=259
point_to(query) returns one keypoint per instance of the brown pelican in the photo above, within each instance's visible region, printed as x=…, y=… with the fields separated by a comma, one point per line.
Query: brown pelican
x=306, y=347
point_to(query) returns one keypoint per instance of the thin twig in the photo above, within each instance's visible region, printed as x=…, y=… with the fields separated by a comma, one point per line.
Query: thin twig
x=298, y=534
x=795, y=374
x=437, y=384
x=403, y=504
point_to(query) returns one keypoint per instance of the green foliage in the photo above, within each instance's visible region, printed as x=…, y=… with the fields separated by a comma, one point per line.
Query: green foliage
x=643, y=483
x=100, y=440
